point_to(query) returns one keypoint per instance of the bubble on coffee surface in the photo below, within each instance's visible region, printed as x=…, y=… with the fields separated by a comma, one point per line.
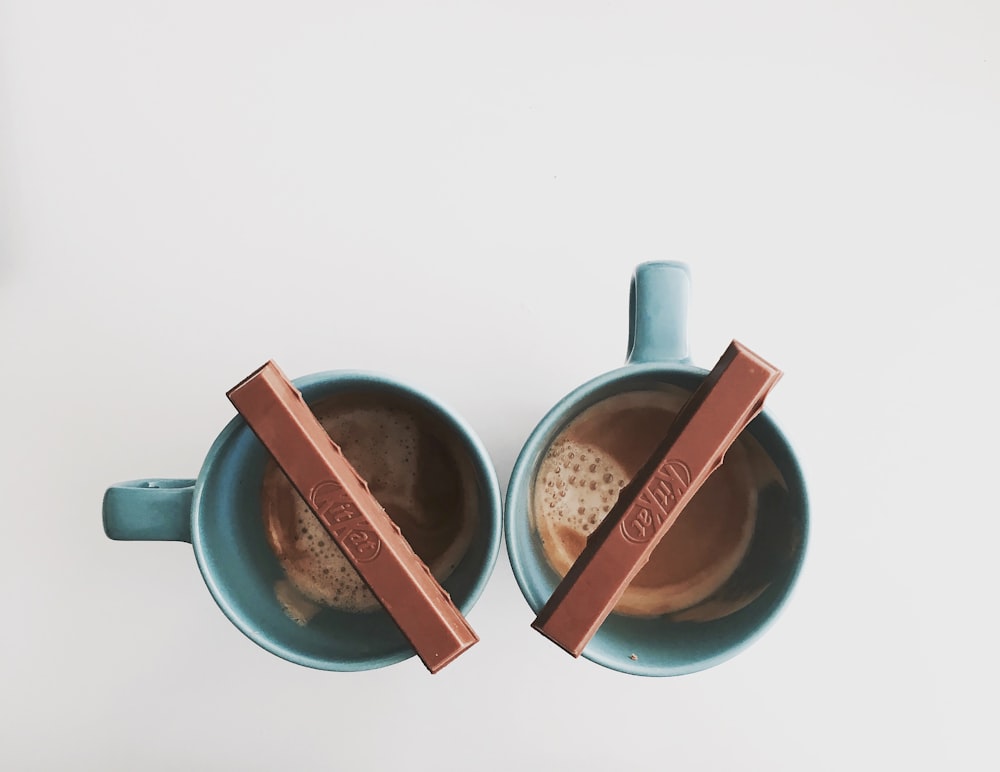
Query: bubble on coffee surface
x=412, y=475
x=579, y=486
x=581, y=477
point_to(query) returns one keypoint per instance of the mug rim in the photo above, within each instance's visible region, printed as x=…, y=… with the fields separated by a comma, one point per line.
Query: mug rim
x=484, y=470
x=519, y=489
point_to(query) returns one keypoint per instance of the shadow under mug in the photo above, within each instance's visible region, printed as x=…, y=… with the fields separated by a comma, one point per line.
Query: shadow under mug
x=220, y=515
x=665, y=645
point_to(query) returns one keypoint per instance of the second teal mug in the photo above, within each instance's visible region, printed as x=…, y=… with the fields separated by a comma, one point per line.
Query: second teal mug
x=734, y=613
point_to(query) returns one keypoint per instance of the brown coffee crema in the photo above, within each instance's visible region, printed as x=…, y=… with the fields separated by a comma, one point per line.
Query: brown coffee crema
x=419, y=478
x=596, y=455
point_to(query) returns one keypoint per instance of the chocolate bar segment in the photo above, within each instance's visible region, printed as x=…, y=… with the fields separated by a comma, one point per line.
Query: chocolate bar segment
x=708, y=423
x=372, y=542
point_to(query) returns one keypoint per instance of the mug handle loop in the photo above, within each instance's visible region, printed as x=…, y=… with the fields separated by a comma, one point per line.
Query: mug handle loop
x=149, y=510
x=658, y=309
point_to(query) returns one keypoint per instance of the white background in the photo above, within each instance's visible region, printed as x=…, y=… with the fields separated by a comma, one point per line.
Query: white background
x=456, y=196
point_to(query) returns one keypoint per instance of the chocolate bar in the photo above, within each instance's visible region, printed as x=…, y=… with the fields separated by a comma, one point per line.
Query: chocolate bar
x=424, y=612
x=708, y=423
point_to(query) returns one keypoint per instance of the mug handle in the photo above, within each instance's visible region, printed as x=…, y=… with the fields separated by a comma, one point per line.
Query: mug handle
x=149, y=510
x=658, y=310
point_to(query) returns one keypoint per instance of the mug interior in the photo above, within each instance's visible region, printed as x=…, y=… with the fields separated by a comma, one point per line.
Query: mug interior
x=684, y=642
x=241, y=569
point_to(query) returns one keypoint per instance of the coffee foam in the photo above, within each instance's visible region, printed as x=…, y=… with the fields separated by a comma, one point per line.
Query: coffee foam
x=411, y=473
x=582, y=474
x=578, y=484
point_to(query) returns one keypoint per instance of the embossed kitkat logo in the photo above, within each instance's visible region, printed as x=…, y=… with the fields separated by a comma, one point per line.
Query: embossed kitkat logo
x=349, y=527
x=656, y=501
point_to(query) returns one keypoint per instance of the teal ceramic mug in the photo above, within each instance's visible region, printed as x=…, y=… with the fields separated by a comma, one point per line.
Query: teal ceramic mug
x=219, y=513
x=718, y=609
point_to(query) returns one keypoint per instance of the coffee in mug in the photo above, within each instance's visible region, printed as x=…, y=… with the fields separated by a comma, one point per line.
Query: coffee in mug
x=596, y=455
x=414, y=469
